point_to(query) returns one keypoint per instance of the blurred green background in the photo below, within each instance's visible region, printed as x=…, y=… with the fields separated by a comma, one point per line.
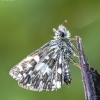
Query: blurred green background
x=25, y=25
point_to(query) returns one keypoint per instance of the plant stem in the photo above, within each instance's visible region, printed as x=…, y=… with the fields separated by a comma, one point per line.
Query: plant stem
x=89, y=75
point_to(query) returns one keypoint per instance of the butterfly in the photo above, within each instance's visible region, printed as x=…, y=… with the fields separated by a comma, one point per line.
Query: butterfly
x=48, y=67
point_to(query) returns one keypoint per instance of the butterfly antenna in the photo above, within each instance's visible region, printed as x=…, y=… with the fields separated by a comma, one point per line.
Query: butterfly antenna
x=65, y=21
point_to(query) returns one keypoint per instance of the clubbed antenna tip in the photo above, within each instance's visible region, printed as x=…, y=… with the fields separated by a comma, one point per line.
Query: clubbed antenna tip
x=65, y=21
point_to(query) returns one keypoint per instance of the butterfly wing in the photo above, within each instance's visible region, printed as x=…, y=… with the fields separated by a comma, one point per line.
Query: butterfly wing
x=41, y=70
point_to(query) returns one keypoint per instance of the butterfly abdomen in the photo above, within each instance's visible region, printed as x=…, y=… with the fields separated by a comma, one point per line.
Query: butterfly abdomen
x=67, y=76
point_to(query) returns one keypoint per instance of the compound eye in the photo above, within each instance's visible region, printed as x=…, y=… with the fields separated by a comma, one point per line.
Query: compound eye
x=61, y=34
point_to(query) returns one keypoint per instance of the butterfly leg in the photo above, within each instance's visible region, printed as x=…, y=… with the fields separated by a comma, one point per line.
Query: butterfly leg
x=73, y=39
x=75, y=55
x=75, y=63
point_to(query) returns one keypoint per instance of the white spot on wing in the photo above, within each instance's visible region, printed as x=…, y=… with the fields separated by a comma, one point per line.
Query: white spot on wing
x=47, y=57
x=30, y=72
x=47, y=70
x=28, y=85
x=19, y=75
x=55, y=46
x=24, y=75
x=29, y=65
x=60, y=60
x=59, y=70
x=20, y=67
x=40, y=66
x=36, y=58
x=28, y=58
x=54, y=56
x=58, y=84
x=54, y=82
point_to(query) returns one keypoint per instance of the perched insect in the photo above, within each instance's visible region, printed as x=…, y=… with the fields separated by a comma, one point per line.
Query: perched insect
x=48, y=67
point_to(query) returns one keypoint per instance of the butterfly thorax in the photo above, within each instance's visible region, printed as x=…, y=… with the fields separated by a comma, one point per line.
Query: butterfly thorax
x=61, y=33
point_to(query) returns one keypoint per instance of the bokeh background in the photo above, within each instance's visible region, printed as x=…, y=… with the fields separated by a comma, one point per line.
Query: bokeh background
x=25, y=25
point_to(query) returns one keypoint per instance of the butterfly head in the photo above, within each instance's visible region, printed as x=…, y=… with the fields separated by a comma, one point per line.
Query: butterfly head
x=61, y=33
